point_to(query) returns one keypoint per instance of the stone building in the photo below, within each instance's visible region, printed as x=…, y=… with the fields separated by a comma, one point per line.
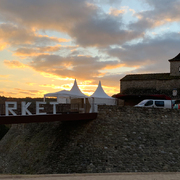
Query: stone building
x=156, y=83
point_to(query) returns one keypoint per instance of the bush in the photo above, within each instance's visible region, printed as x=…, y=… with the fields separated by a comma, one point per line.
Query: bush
x=3, y=130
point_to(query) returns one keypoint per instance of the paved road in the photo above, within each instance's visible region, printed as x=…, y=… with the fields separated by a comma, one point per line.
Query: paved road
x=112, y=176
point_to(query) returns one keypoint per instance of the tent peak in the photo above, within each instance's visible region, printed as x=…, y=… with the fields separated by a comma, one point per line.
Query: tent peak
x=75, y=86
x=75, y=90
x=99, y=92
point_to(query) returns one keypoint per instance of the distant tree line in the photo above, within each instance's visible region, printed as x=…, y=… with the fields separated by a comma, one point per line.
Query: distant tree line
x=27, y=99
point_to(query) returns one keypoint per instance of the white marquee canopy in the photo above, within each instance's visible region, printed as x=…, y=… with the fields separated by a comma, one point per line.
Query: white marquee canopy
x=75, y=92
x=99, y=93
x=99, y=97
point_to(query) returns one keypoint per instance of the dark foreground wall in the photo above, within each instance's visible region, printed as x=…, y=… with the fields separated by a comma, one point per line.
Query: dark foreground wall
x=121, y=139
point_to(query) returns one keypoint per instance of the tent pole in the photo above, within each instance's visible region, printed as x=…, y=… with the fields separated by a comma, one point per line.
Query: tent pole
x=84, y=105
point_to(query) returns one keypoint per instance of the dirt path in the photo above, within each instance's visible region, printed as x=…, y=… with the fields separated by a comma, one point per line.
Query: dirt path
x=112, y=176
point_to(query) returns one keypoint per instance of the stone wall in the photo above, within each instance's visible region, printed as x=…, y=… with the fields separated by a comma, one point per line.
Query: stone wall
x=150, y=87
x=121, y=139
x=174, y=68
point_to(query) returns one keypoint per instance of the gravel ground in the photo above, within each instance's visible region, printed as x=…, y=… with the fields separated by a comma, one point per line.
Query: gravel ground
x=111, y=176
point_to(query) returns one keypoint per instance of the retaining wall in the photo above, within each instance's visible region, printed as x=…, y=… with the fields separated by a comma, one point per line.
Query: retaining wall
x=121, y=139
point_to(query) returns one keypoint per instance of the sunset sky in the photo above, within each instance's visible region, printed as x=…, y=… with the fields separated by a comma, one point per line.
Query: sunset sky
x=46, y=44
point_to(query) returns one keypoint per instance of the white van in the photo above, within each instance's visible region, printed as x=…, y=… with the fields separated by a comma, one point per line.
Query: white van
x=156, y=103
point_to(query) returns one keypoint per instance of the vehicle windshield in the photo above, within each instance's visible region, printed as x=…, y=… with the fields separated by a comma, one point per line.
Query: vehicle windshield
x=142, y=102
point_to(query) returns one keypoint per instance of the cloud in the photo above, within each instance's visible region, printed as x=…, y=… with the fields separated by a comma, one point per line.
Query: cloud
x=14, y=64
x=116, y=12
x=8, y=94
x=163, y=12
x=86, y=23
x=110, y=80
x=36, y=51
x=110, y=2
x=55, y=15
x=50, y=85
x=3, y=45
x=30, y=83
x=15, y=36
x=18, y=92
x=4, y=76
x=102, y=32
x=98, y=41
x=6, y=80
x=55, y=66
x=150, y=54
x=80, y=67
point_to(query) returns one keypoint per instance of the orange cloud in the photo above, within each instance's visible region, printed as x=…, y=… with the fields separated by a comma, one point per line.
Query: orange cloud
x=113, y=66
x=2, y=45
x=8, y=94
x=5, y=80
x=161, y=22
x=14, y=64
x=24, y=52
x=4, y=76
x=20, y=93
x=30, y=84
x=33, y=93
x=53, y=38
x=36, y=51
x=24, y=55
x=51, y=86
x=49, y=48
x=58, y=77
x=14, y=36
x=116, y=12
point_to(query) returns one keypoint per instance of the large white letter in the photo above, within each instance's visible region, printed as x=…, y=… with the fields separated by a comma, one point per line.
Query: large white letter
x=10, y=109
x=54, y=106
x=40, y=108
x=24, y=107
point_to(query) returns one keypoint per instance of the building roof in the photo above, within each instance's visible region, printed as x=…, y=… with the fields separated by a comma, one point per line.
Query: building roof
x=177, y=58
x=155, y=76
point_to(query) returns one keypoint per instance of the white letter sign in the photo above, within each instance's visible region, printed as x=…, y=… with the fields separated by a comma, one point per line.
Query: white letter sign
x=54, y=106
x=10, y=109
x=24, y=108
x=40, y=108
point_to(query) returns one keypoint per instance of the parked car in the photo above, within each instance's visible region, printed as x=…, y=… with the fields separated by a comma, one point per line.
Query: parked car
x=176, y=104
x=156, y=103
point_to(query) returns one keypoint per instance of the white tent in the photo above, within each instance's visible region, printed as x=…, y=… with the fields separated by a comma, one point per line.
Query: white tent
x=99, y=97
x=65, y=96
x=62, y=96
x=76, y=92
